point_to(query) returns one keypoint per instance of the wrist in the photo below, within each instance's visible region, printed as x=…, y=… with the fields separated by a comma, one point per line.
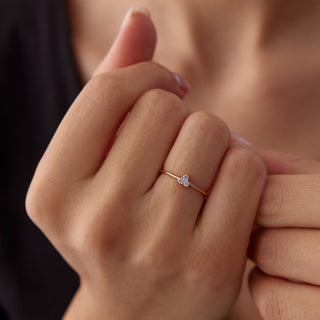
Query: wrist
x=88, y=304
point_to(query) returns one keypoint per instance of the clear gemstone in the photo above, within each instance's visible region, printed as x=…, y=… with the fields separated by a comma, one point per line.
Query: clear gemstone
x=184, y=180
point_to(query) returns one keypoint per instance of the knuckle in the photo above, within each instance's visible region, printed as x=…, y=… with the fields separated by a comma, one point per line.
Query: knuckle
x=153, y=68
x=84, y=239
x=273, y=201
x=247, y=162
x=158, y=72
x=205, y=124
x=42, y=202
x=48, y=200
x=102, y=87
x=98, y=234
x=162, y=103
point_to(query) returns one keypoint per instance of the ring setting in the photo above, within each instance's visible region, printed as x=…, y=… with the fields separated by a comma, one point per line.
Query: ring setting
x=184, y=180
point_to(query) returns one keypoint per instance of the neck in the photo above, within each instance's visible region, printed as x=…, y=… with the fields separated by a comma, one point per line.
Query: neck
x=195, y=38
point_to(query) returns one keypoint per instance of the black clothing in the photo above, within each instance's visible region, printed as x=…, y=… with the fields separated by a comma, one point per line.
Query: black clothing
x=38, y=82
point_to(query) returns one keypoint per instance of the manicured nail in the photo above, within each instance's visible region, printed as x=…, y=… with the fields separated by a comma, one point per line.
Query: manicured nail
x=238, y=138
x=183, y=84
x=131, y=12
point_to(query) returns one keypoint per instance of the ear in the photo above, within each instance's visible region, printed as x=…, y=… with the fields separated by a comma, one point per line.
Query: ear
x=135, y=42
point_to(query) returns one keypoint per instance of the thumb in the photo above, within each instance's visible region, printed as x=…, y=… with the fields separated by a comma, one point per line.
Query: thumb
x=134, y=43
x=287, y=163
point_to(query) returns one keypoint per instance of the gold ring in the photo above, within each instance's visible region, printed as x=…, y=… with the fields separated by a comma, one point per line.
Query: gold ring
x=184, y=180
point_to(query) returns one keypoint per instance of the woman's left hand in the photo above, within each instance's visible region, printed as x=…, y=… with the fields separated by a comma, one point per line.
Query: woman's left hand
x=286, y=282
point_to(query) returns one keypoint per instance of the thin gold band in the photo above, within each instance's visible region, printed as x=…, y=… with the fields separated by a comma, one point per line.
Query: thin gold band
x=185, y=181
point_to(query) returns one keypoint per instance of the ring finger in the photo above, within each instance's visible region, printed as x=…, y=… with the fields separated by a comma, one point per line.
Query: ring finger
x=197, y=151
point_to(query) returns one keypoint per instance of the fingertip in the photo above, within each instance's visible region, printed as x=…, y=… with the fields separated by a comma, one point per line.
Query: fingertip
x=238, y=139
x=135, y=10
x=183, y=84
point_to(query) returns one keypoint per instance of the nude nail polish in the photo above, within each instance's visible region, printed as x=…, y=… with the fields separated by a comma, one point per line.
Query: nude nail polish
x=238, y=138
x=183, y=84
x=131, y=12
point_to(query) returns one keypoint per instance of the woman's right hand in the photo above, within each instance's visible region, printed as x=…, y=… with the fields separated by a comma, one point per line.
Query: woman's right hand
x=144, y=246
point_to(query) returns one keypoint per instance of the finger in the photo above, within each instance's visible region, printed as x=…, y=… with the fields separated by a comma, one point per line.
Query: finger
x=78, y=148
x=288, y=253
x=144, y=142
x=281, y=299
x=197, y=151
x=225, y=223
x=135, y=42
x=287, y=163
x=290, y=201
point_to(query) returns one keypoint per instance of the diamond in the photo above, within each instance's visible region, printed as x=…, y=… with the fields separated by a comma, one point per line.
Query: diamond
x=184, y=180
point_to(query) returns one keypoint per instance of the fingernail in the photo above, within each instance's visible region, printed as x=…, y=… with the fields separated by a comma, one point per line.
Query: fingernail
x=131, y=12
x=183, y=84
x=238, y=138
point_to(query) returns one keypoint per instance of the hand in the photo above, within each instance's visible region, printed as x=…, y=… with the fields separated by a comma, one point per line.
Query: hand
x=286, y=284
x=144, y=246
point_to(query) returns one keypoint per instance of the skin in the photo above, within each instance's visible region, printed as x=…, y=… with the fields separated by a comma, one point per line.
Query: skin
x=286, y=285
x=176, y=250
x=241, y=68
x=255, y=99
